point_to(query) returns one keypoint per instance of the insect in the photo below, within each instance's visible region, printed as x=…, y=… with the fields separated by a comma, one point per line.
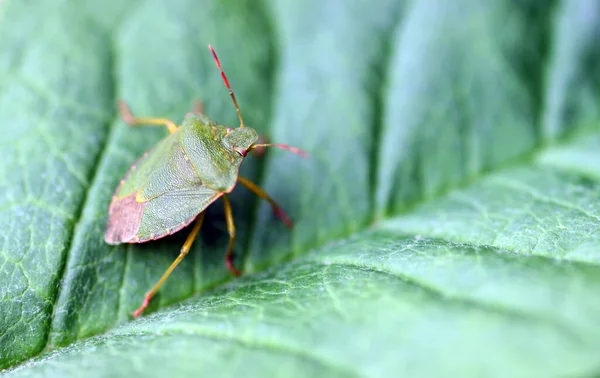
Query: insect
x=174, y=183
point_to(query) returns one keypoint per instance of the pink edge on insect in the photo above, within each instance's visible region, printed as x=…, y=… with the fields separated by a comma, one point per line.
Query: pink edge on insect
x=283, y=216
x=139, y=311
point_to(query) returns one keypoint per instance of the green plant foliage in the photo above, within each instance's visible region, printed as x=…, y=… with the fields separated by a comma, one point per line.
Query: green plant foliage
x=447, y=221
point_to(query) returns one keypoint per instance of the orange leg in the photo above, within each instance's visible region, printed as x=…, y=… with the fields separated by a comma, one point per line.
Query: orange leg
x=184, y=251
x=132, y=120
x=231, y=230
x=262, y=194
x=198, y=107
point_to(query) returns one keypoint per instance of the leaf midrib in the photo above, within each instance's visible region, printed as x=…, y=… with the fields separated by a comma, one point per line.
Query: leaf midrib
x=489, y=306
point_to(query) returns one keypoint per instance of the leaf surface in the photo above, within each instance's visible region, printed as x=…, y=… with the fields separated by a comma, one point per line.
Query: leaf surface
x=447, y=221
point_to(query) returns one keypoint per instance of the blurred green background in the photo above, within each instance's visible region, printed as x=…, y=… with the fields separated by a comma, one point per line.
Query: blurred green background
x=446, y=222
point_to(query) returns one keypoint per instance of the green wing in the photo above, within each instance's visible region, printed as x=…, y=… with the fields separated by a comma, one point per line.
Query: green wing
x=163, y=169
x=171, y=211
x=160, y=194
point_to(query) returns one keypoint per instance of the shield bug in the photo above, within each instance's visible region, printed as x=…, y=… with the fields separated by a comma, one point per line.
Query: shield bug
x=174, y=183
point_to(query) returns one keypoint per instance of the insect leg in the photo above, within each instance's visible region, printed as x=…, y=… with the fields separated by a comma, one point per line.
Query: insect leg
x=262, y=194
x=184, y=251
x=198, y=107
x=132, y=120
x=231, y=230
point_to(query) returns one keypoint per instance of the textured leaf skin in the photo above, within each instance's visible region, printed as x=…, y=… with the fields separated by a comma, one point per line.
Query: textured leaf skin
x=446, y=224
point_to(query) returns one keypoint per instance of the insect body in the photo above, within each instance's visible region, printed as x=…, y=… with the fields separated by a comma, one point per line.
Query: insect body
x=171, y=185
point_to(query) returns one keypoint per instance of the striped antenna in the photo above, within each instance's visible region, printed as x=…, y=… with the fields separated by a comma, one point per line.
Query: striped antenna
x=237, y=108
x=294, y=150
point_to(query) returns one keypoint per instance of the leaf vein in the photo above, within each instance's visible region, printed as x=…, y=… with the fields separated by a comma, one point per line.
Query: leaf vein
x=439, y=293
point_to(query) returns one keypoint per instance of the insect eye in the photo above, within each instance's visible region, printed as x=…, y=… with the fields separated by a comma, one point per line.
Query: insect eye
x=240, y=151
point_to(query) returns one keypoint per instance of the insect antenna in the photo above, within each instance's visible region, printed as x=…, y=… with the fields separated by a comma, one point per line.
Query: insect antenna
x=294, y=150
x=237, y=108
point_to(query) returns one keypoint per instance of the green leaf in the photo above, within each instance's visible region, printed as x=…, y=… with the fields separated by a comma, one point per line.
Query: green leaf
x=447, y=221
